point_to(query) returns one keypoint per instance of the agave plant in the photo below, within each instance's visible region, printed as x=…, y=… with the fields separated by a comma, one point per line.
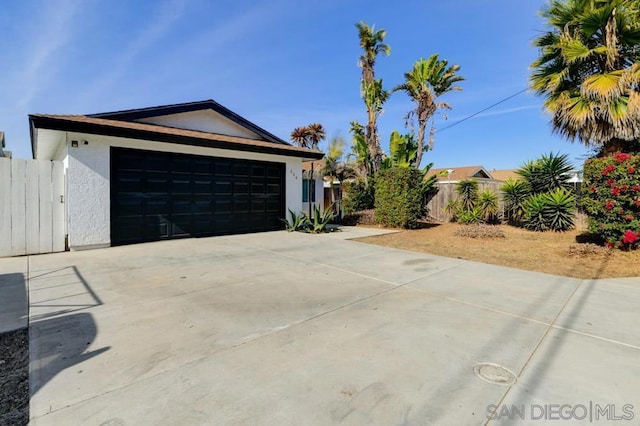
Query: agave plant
x=488, y=206
x=471, y=217
x=467, y=193
x=550, y=211
x=548, y=173
x=560, y=206
x=296, y=222
x=535, y=219
x=320, y=219
x=514, y=194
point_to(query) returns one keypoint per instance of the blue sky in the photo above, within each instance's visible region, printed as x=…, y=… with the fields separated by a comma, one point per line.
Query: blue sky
x=279, y=63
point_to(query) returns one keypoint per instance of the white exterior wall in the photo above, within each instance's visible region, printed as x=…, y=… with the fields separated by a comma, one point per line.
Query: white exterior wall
x=88, y=182
x=204, y=121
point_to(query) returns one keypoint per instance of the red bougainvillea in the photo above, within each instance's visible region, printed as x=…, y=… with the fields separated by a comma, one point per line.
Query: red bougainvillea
x=611, y=200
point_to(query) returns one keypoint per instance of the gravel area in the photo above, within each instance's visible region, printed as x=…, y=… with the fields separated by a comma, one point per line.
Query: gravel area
x=14, y=378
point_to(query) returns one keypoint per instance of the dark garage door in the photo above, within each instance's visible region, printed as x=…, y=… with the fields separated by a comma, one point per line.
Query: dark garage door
x=157, y=195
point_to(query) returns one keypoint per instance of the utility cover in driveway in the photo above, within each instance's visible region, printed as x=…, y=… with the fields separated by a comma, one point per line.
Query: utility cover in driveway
x=158, y=195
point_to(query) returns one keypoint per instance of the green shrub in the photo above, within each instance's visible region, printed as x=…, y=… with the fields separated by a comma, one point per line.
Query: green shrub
x=550, y=211
x=358, y=196
x=399, y=195
x=611, y=199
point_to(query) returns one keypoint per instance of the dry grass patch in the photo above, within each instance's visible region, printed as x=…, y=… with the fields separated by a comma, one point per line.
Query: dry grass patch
x=550, y=252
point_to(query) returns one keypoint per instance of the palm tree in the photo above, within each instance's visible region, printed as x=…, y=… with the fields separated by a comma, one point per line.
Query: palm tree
x=374, y=96
x=308, y=136
x=589, y=71
x=316, y=134
x=334, y=167
x=360, y=155
x=300, y=136
x=424, y=84
x=372, y=44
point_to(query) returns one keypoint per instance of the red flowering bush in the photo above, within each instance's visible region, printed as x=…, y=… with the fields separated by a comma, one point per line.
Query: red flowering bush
x=611, y=199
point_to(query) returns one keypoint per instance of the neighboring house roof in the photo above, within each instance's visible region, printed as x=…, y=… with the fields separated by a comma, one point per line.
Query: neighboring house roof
x=453, y=174
x=117, y=124
x=504, y=175
x=317, y=165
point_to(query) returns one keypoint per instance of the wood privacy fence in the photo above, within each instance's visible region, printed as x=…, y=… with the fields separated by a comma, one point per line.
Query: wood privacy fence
x=447, y=192
x=31, y=207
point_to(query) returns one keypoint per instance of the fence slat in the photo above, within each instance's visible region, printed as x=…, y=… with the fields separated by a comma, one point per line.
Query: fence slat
x=5, y=207
x=32, y=208
x=45, y=197
x=18, y=208
x=57, y=178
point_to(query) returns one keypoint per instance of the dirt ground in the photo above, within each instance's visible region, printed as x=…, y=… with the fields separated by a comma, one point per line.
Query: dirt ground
x=550, y=252
x=14, y=378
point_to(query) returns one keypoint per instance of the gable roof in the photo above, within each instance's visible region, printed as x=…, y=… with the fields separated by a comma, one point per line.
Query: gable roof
x=154, y=132
x=208, y=104
x=504, y=175
x=124, y=124
x=460, y=173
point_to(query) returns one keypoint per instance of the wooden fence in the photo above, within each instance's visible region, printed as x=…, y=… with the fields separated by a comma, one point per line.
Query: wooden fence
x=31, y=207
x=447, y=192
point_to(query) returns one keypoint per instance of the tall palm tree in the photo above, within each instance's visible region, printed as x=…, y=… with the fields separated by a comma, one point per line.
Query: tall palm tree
x=589, y=71
x=424, y=84
x=374, y=96
x=372, y=44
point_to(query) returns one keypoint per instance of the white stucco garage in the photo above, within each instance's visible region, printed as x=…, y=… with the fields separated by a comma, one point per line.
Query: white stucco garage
x=193, y=169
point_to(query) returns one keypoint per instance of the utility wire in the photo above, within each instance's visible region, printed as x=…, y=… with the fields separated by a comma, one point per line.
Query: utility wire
x=481, y=111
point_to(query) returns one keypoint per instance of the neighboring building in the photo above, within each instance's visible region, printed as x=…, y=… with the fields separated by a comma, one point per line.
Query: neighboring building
x=3, y=153
x=505, y=175
x=313, y=186
x=456, y=174
x=185, y=170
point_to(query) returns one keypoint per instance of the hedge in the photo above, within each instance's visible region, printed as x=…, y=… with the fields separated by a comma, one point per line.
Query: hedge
x=611, y=199
x=399, y=194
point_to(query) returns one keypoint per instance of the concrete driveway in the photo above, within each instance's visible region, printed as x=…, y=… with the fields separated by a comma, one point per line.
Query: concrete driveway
x=294, y=329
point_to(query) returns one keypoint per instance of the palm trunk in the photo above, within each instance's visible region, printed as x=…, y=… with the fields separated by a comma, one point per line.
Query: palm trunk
x=422, y=125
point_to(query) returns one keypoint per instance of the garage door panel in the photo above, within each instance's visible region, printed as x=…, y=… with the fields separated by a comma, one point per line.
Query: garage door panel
x=158, y=195
x=156, y=227
x=223, y=167
x=241, y=188
x=241, y=169
x=223, y=187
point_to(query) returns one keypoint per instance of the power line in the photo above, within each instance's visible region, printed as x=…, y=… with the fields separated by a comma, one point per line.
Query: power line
x=481, y=111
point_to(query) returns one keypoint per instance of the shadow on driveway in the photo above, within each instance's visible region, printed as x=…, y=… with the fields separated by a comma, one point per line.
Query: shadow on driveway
x=60, y=336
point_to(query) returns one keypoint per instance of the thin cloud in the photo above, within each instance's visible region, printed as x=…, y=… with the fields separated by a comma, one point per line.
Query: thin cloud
x=506, y=111
x=169, y=13
x=53, y=33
